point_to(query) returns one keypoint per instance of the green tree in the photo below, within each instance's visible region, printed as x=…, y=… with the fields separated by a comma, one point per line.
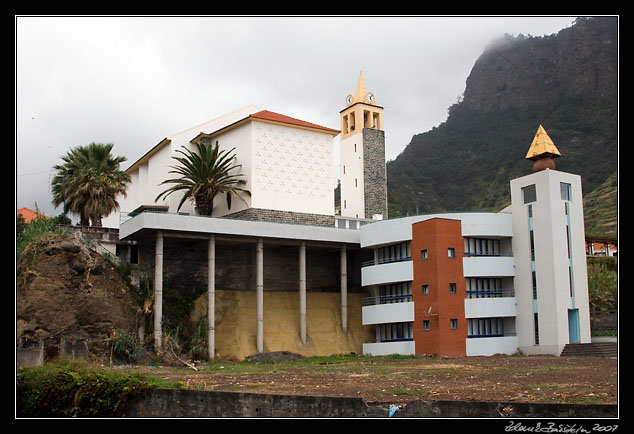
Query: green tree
x=602, y=283
x=88, y=182
x=203, y=175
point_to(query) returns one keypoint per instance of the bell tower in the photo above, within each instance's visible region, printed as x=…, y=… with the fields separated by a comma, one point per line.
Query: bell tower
x=363, y=174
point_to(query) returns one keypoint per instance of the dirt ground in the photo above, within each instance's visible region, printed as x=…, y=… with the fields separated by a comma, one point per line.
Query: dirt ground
x=544, y=379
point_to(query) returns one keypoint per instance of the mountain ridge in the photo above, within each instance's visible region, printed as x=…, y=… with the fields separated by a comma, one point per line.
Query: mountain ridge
x=567, y=82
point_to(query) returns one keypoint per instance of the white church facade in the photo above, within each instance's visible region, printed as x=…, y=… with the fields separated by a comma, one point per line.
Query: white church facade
x=445, y=284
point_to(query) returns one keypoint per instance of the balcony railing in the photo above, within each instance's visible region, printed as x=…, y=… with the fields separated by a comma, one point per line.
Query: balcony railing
x=495, y=335
x=488, y=253
x=380, y=341
x=385, y=261
x=490, y=293
x=387, y=299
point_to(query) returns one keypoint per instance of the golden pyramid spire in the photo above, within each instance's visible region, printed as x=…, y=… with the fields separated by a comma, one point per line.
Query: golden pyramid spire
x=542, y=151
x=542, y=146
x=361, y=94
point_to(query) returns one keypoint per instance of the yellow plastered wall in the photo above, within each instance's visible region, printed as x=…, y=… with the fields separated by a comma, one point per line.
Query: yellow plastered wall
x=236, y=323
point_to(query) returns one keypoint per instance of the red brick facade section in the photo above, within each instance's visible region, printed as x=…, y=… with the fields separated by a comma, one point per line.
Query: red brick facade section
x=438, y=271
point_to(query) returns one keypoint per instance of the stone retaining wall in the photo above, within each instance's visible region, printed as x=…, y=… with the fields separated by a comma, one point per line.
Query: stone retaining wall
x=191, y=403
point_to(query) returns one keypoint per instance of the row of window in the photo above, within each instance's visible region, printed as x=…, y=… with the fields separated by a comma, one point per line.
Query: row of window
x=399, y=292
x=485, y=327
x=476, y=288
x=473, y=247
x=486, y=287
x=452, y=288
x=451, y=253
x=453, y=324
x=481, y=247
x=395, y=332
x=394, y=252
x=476, y=328
x=529, y=193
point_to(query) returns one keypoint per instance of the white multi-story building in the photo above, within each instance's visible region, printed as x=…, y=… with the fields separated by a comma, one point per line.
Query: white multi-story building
x=441, y=284
x=484, y=283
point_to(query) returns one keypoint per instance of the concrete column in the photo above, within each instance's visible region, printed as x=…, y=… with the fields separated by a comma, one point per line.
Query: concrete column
x=302, y=291
x=344, y=290
x=260, y=295
x=158, y=290
x=211, y=297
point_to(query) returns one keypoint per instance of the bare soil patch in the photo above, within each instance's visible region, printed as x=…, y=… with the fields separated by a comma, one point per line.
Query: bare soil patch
x=544, y=379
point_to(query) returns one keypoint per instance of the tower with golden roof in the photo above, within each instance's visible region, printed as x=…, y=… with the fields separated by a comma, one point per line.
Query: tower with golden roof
x=550, y=281
x=363, y=174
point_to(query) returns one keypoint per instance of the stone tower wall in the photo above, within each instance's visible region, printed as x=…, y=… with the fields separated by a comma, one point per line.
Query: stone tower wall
x=374, y=172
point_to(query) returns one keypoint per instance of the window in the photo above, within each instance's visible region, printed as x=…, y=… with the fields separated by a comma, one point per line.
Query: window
x=531, y=237
x=482, y=246
x=451, y=252
x=425, y=324
x=536, y=326
x=395, y=332
x=452, y=288
x=529, y=194
x=565, y=191
x=395, y=293
x=453, y=323
x=425, y=289
x=394, y=253
x=423, y=254
x=134, y=254
x=485, y=327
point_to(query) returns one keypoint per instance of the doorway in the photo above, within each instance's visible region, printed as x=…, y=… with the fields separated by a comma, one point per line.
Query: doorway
x=573, y=325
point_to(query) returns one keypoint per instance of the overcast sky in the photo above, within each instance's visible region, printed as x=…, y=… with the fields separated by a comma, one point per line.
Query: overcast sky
x=132, y=81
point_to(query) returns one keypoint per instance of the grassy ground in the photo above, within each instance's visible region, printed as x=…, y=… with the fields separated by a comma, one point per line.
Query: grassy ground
x=403, y=379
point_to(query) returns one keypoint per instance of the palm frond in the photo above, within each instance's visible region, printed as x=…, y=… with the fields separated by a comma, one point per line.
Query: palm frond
x=203, y=174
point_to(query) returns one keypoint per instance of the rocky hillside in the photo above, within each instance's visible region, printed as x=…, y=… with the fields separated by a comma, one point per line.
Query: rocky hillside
x=567, y=82
x=63, y=288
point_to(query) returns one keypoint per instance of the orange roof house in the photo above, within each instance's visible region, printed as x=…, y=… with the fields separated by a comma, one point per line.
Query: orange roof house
x=29, y=214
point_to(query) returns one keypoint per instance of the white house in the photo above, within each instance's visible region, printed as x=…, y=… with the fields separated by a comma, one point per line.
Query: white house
x=287, y=164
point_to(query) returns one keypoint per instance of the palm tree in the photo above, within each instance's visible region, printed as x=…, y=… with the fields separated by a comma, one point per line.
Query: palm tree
x=88, y=182
x=205, y=174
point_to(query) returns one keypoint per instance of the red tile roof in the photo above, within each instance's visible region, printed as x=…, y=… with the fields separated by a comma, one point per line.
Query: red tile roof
x=276, y=117
x=29, y=214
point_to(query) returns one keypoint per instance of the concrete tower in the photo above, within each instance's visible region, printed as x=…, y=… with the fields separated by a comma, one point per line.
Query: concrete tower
x=363, y=173
x=551, y=285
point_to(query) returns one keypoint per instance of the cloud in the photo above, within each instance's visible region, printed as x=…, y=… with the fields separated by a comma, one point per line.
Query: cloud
x=134, y=80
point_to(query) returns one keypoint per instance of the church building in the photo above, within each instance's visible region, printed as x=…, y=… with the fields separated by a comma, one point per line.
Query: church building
x=283, y=270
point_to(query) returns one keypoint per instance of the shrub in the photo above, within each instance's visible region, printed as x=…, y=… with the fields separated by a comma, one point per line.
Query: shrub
x=74, y=389
x=124, y=346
